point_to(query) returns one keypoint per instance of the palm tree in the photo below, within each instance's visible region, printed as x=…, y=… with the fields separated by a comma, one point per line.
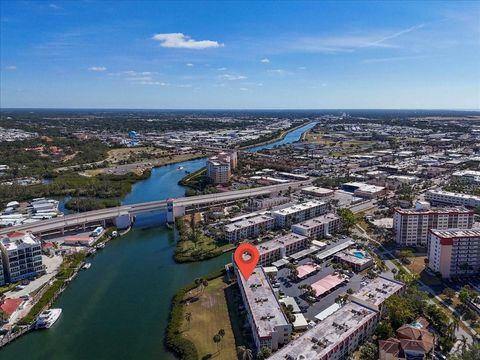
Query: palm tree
x=188, y=317
x=216, y=339
x=244, y=353
x=221, y=332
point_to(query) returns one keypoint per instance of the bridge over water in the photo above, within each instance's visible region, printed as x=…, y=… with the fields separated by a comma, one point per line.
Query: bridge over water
x=122, y=216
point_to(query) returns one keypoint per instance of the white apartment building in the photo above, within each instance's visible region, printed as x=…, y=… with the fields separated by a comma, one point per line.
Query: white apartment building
x=341, y=333
x=22, y=256
x=451, y=198
x=280, y=247
x=411, y=226
x=248, y=228
x=284, y=218
x=319, y=227
x=270, y=328
x=454, y=252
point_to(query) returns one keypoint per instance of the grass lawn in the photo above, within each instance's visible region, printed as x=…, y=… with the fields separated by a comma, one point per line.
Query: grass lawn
x=209, y=315
x=417, y=264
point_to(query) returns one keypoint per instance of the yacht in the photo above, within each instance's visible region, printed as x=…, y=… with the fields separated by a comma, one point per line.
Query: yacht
x=86, y=266
x=47, y=318
x=180, y=168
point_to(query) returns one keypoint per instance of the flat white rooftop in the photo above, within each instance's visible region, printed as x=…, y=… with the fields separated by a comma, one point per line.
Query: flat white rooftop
x=456, y=233
x=324, y=336
x=247, y=222
x=377, y=291
x=279, y=242
x=323, y=219
x=297, y=208
x=264, y=306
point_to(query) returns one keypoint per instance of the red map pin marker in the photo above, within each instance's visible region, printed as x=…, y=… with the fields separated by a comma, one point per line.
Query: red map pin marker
x=246, y=257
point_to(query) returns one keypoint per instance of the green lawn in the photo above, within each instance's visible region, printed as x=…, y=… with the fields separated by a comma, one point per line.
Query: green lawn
x=209, y=315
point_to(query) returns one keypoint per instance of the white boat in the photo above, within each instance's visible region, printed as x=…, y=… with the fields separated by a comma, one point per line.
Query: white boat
x=86, y=266
x=180, y=168
x=47, y=318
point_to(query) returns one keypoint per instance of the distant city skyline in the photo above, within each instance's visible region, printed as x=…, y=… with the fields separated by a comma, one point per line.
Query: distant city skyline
x=240, y=55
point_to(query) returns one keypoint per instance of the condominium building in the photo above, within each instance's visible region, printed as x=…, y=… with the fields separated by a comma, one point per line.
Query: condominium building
x=22, y=256
x=343, y=331
x=411, y=225
x=454, y=252
x=280, y=247
x=452, y=198
x=319, y=227
x=269, y=326
x=219, y=169
x=248, y=228
x=284, y=218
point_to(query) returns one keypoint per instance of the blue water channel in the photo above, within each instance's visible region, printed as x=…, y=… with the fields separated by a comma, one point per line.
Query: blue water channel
x=119, y=308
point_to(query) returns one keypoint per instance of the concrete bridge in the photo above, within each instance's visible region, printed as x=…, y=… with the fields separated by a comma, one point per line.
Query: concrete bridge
x=122, y=216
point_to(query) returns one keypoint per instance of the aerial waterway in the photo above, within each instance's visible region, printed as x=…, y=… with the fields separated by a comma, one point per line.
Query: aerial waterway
x=119, y=308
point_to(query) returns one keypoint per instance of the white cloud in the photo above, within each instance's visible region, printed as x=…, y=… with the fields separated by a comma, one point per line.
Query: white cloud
x=301, y=68
x=231, y=77
x=11, y=68
x=265, y=61
x=182, y=41
x=97, y=68
x=53, y=6
x=189, y=64
x=221, y=68
x=243, y=89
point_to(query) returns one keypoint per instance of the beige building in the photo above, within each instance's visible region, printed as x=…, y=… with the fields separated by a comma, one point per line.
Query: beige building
x=454, y=252
x=280, y=247
x=319, y=227
x=219, y=167
x=284, y=218
x=451, y=198
x=248, y=228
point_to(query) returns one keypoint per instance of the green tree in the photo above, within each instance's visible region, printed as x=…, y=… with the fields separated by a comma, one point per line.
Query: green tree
x=399, y=311
x=244, y=353
x=384, y=330
x=449, y=294
x=347, y=216
x=369, y=351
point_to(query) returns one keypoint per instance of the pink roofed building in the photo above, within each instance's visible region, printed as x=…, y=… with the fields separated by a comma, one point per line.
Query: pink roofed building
x=306, y=270
x=327, y=284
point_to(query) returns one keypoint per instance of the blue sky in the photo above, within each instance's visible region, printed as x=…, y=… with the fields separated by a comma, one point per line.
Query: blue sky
x=269, y=55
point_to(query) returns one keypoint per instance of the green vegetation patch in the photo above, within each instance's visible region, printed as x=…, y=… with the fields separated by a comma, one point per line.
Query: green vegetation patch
x=193, y=245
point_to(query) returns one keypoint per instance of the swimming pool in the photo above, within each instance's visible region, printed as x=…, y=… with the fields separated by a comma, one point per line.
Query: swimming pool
x=359, y=254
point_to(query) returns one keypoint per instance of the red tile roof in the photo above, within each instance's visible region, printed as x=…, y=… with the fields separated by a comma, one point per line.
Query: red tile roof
x=9, y=305
x=15, y=234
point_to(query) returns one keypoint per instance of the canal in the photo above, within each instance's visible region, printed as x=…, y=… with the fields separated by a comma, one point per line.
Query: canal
x=119, y=308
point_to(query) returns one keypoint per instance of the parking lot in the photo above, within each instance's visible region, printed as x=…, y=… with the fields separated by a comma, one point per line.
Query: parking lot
x=290, y=287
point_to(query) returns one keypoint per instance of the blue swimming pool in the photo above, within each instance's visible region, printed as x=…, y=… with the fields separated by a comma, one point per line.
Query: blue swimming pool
x=359, y=254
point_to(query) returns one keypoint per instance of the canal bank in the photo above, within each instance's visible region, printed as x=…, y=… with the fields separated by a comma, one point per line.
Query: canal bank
x=119, y=308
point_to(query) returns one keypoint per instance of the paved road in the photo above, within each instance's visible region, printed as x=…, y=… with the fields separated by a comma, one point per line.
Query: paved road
x=135, y=209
